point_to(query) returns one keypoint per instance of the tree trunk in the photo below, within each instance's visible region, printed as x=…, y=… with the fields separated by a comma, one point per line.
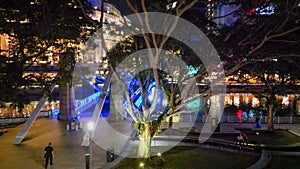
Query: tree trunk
x=145, y=138
x=270, y=119
x=65, y=98
x=170, y=122
x=205, y=110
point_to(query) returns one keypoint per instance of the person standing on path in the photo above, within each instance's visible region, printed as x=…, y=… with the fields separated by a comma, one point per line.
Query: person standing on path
x=48, y=154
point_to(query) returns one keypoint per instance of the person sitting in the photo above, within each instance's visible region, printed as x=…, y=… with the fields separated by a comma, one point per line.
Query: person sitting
x=240, y=139
x=245, y=138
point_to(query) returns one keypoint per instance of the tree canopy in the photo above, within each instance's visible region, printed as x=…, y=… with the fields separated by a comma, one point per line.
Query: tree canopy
x=38, y=32
x=262, y=38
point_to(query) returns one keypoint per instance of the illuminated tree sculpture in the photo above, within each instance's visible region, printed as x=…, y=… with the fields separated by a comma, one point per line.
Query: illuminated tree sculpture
x=246, y=42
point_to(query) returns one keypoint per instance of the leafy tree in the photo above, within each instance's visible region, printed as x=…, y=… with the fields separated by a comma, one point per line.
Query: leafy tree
x=148, y=119
x=263, y=42
x=253, y=40
x=278, y=79
x=37, y=30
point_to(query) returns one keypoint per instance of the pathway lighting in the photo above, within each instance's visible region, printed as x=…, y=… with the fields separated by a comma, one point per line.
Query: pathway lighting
x=142, y=165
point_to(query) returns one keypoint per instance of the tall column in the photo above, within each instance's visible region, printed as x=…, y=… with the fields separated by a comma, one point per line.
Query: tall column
x=65, y=97
x=66, y=67
x=215, y=111
x=117, y=112
x=297, y=106
x=205, y=109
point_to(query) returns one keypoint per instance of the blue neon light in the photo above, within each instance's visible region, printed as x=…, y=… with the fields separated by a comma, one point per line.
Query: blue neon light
x=138, y=99
x=153, y=84
x=269, y=10
x=55, y=112
x=138, y=102
x=86, y=100
x=192, y=70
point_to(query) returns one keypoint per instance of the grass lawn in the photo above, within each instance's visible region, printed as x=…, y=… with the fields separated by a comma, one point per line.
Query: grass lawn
x=280, y=162
x=278, y=137
x=192, y=158
x=197, y=158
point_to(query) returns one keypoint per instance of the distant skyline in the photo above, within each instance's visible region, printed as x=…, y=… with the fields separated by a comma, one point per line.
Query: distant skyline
x=119, y=4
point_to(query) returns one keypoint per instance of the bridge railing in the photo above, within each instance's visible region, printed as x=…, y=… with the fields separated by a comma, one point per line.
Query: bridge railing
x=188, y=117
x=263, y=120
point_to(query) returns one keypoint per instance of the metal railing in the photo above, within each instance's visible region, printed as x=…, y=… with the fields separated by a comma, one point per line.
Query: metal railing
x=263, y=120
x=233, y=119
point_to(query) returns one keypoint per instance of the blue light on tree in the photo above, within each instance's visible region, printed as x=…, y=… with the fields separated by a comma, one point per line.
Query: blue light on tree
x=138, y=100
x=192, y=70
x=269, y=10
x=194, y=105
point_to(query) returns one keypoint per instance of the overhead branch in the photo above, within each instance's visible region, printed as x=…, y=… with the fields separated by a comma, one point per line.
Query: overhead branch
x=284, y=33
x=85, y=14
x=187, y=7
x=240, y=65
x=266, y=38
x=147, y=24
x=223, y=16
x=241, y=43
x=138, y=15
x=128, y=98
x=173, y=26
x=133, y=9
x=286, y=41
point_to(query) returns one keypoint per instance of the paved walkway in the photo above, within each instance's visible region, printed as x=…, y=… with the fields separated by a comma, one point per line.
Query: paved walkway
x=69, y=154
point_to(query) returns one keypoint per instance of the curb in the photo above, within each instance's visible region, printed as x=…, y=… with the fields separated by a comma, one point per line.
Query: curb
x=293, y=132
x=264, y=160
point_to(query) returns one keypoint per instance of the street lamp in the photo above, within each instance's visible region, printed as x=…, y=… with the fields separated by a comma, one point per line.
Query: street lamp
x=160, y=158
x=8, y=42
x=90, y=127
x=86, y=142
x=142, y=165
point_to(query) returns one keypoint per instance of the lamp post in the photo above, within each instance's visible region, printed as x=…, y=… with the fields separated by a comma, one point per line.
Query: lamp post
x=8, y=43
x=88, y=136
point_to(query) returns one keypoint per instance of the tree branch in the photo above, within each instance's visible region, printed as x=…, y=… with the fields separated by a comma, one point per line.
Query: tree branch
x=85, y=14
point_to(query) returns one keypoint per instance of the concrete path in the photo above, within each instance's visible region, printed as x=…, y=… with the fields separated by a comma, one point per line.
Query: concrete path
x=69, y=154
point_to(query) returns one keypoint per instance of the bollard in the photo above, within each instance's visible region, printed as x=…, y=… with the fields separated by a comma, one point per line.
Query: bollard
x=87, y=161
x=110, y=156
x=86, y=141
x=72, y=126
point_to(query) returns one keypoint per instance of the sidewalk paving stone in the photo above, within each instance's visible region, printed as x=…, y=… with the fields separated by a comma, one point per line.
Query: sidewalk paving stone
x=68, y=152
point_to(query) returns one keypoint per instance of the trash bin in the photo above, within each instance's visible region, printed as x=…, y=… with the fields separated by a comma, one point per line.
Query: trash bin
x=110, y=156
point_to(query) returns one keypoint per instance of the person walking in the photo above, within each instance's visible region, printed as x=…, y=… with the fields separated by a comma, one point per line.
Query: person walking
x=48, y=154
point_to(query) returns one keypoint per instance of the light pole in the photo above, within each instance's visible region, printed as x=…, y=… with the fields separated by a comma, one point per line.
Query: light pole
x=87, y=137
x=8, y=42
